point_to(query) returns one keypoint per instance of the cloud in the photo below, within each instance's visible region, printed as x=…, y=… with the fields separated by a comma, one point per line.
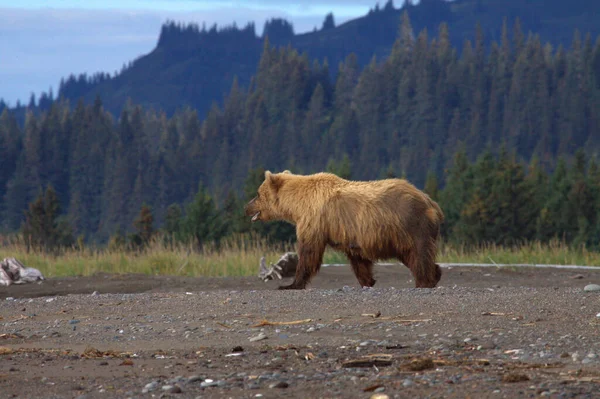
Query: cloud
x=39, y=46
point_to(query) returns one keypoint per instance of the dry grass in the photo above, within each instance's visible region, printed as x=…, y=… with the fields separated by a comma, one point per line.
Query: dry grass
x=239, y=256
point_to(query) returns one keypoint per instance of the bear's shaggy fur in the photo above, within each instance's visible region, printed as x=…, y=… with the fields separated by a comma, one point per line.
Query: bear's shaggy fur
x=366, y=220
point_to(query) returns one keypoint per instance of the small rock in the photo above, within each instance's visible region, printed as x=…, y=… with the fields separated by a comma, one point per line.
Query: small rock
x=407, y=383
x=591, y=288
x=74, y=321
x=209, y=383
x=380, y=389
x=587, y=361
x=577, y=276
x=280, y=384
x=152, y=386
x=68, y=367
x=194, y=378
x=379, y=396
x=598, y=315
x=259, y=337
x=310, y=329
x=172, y=389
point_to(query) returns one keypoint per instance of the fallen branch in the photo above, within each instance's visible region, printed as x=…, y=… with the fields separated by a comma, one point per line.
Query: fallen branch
x=369, y=361
x=411, y=321
x=373, y=315
x=281, y=323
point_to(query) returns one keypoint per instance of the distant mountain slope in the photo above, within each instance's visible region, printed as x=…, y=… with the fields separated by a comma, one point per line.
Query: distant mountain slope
x=195, y=67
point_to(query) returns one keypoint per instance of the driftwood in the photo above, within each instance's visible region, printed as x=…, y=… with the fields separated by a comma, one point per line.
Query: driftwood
x=14, y=272
x=285, y=267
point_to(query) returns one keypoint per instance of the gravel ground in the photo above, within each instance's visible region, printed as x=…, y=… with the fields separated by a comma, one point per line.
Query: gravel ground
x=497, y=333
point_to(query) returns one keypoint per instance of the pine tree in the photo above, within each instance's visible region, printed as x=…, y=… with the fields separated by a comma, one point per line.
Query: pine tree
x=143, y=225
x=43, y=229
x=202, y=223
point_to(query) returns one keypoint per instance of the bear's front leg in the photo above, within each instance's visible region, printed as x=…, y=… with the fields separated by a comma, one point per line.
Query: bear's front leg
x=309, y=263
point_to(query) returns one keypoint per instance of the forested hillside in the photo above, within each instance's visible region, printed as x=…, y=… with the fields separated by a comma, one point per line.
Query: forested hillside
x=410, y=114
x=194, y=65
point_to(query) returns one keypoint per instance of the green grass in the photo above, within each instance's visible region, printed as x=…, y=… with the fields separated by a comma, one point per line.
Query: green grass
x=240, y=256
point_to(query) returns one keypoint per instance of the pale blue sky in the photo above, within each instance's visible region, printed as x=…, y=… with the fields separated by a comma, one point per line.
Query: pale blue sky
x=42, y=41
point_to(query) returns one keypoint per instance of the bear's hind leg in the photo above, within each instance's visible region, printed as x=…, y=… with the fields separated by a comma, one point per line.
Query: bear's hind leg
x=363, y=270
x=309, y=263
x=425, y=271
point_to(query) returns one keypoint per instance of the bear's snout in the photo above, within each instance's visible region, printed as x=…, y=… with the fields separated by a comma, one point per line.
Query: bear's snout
x=250, y=209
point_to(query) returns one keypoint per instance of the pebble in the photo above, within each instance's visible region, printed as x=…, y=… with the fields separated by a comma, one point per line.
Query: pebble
x=591, y=288
x=207, y=384
x=259, y=337
x=379, y=396
x=194, y=378
x=407, y=383
x=280, y=384
x=152, y=386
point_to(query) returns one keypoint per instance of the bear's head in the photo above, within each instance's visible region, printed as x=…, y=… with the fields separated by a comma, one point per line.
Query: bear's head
x=264, y=206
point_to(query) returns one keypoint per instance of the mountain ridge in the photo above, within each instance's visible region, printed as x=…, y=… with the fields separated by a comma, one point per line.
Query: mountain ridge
x=194, y=67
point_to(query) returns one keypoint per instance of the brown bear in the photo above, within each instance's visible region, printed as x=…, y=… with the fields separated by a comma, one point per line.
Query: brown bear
x=366, y=220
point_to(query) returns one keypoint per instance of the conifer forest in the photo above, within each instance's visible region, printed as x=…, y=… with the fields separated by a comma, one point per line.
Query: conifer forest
x=504, y=136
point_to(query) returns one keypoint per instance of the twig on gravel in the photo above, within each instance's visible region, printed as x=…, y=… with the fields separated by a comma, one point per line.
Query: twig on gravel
x=281, y=323
x=372, y=388
x=373, y=315
x=411, y=321
x=91, y=353
x=379, y=359
x=22, y=317
x=223, y=325
x=5, y=351
x=9, y=336
x=495, y=314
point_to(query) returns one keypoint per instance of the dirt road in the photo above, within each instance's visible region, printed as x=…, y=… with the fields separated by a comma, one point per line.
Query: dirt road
x=495, y=333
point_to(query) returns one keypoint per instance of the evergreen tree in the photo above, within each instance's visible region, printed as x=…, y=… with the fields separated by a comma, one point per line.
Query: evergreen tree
x=143, y=226
x=43, y=229
x=202, y=223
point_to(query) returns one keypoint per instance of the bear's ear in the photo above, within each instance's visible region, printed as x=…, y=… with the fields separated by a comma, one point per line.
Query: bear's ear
x=273, y=180
x=287, y=172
